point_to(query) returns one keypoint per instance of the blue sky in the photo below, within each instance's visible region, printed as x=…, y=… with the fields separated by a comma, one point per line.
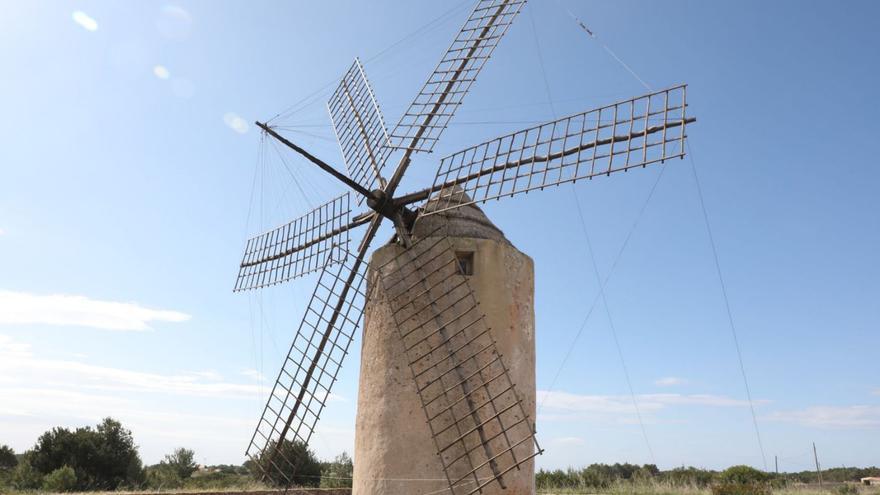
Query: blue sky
x=127, y=188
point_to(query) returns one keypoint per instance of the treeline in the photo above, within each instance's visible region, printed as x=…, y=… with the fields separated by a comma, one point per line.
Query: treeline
x=604, y=475
x=106, y=458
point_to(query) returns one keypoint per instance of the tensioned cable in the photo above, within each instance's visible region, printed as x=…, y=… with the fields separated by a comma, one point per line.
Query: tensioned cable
x=629, y=385
x=304, y=102
x=593, y=36
x=424, y=28
x=257, y=169
x=733, y=332
x=604, y=284
x=313, y=97
x=259, y=296
x=629, y=69
x=293, y=177
x=592, y=254
x=306, y=133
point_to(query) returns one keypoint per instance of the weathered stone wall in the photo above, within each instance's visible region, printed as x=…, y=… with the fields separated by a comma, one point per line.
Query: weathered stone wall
x=394, y=452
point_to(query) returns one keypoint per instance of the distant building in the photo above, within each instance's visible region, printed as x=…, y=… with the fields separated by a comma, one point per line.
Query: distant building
x=871, y=480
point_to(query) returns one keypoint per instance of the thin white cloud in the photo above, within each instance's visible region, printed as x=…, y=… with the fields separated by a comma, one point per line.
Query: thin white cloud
x=162, y=409
x=252, y=374
x=669, y=381
x=844, y=417
x=10, y=349
x=158, y=426
x=21, y=308
x=38, y=401
x=84, y=20
x=17, y=360
x=564, y=405
x=235, y=122
x=161, y=72
x=566, y=402
x=569, y=441
x=208, y=375
x=708, y=400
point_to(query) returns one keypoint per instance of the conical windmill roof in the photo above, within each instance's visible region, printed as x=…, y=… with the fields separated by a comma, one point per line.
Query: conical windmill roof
x=464, y=221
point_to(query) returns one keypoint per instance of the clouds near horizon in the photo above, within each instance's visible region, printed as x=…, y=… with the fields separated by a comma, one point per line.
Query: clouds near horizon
x=575, y=404
x=831, y=417
x=24, y=308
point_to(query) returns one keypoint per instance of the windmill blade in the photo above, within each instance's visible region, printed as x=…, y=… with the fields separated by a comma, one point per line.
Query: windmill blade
x=303, y=385
x=632, y=133
x=421, y=125
x=296, y=248
x=360, y=129
x=478, y=423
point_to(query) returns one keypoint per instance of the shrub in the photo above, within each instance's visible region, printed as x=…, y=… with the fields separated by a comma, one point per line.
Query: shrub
x=339, y=473
x=594, y=476
x=848, y=489
x=220, y=481
x=688, y=476
x=162, y=477
x=62, y=479
x=742, y=480
x=743, y=475
x=8, y=460
x=551, y=479
x=24, y=476
x=300, y=466
x=181, y=461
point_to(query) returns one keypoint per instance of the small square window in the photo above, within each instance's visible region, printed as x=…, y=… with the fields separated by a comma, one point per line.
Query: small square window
x=465, y=262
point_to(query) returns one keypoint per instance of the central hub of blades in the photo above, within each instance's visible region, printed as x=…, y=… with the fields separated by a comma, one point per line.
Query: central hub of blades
x=379, y=202
x=384, y=205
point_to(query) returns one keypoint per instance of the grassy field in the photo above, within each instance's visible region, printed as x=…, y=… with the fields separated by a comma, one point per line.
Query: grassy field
x=650, y=488
x=657, y=488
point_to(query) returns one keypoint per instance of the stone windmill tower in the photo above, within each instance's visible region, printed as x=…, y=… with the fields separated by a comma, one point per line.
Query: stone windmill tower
x=447, y=391
x=390, y=420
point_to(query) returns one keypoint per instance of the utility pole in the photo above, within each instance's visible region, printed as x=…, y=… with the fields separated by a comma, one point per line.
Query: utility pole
x=816, y=457
x=776, y=463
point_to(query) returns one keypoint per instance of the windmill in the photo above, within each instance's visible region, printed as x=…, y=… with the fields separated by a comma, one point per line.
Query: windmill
x=478, y=445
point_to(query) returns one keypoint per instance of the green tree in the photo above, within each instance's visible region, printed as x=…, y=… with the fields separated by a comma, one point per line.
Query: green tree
x=25, y=477
x=338, y=473
x=62, y=479
x=8, y=461
x=103, y=458
x=743, y=475
x=182, y=461
x=292, y=464
x=120, y=464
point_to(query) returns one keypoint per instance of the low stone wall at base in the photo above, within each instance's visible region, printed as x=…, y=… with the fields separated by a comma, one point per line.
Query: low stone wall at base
x=292, y=491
